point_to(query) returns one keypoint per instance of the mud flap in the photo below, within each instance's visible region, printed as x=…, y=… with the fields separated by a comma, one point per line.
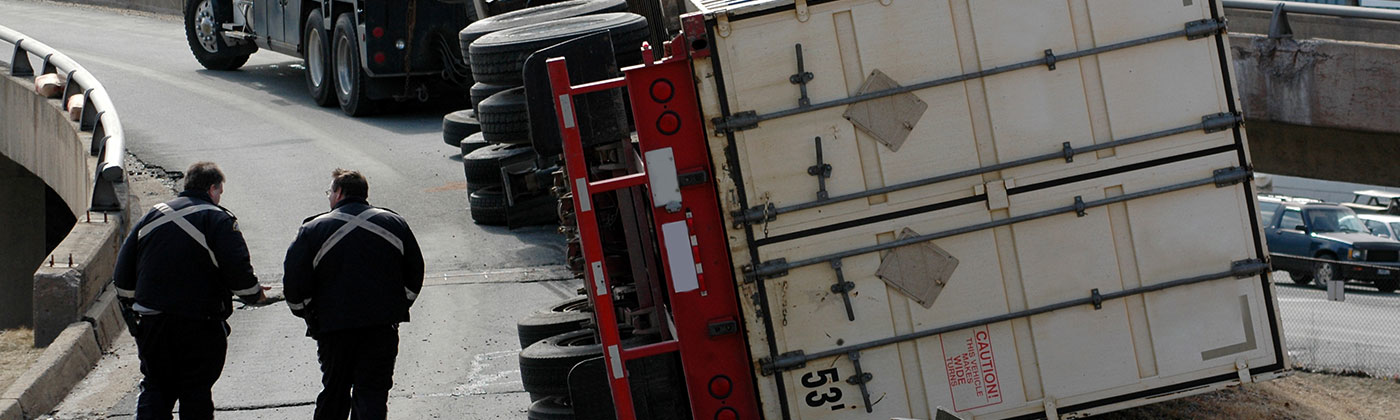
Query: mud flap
x=657, y=389
x=602, y=117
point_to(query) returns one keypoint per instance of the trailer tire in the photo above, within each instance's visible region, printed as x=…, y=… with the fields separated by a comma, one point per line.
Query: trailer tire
x=471, y=143
x=533, y=15
x=505, y=118
x=545, y=365
x=499, y=57
x=206, y=39
x=488, y=206
x=554, y=319
x=350, y=85
x=317, y=60
x=483, y=166
x=554, y=407
x=481, y=91
x=458, y=125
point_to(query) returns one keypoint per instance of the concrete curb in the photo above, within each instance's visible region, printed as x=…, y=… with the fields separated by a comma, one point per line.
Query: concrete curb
x=59, y=368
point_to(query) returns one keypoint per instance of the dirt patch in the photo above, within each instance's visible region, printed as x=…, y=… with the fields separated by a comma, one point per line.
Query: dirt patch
x=1301, y=396
x=17, y=352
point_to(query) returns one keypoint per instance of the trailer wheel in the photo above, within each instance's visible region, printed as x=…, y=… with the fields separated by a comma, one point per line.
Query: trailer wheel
x=488, y=206
x=499, y=56
x=481, y=91
x=206, y=39
x=545, y=365
x=317, y=60
x=483, y=166
x=556, y=407
x=458, y=125
x=533, y=15
x=556, y=318
x=471, y=143
x=505, y=118
x=350, y=83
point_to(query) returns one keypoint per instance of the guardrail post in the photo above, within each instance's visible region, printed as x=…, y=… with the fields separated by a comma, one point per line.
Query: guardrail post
x=19, y=62
x=1278, y=23
x=89, y=118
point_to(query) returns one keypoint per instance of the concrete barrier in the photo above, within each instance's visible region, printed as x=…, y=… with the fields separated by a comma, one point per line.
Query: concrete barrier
x=169, y=7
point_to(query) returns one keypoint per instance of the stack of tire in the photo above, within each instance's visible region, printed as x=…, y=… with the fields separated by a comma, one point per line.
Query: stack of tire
x=495, y=131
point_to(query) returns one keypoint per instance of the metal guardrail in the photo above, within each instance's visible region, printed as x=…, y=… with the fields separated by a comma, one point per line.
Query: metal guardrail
x=1314, y=9
x=98, y=115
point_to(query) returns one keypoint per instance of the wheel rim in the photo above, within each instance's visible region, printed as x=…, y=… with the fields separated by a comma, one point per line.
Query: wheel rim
x=343, y=67
x=204, y=27
x=315, y=57
x=1323, y=273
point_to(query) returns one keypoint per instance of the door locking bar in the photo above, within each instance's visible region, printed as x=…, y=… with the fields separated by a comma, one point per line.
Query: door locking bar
x=797, y=359
x=750, y=119
x=778, y=268
x=1209, y=124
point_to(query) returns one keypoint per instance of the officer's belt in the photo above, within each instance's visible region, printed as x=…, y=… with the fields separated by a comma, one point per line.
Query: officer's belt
x=352, y=223
x=178, y=217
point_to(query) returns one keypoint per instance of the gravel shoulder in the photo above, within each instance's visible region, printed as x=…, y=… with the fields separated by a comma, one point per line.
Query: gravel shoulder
x=1304, y=395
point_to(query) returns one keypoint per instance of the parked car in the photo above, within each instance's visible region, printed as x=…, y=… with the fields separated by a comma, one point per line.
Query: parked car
x=1319, y=232
x=1382, y=225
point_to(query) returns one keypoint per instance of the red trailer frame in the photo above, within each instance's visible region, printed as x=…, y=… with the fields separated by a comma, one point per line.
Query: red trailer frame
x=704, y=306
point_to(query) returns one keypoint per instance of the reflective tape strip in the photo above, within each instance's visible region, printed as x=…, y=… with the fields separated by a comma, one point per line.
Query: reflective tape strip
x=251, y=290
x=410, y=294
x=167, y=219
x=581, y=191
x=125, y=293
x=599, y=286
x=567, y=106
x=178, y=217
x=299, y=306
x=616, y=361
x=352, y=223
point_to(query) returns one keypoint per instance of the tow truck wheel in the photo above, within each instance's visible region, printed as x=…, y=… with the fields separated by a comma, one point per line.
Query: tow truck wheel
x=317, y=59
x=206, y=39
x=349, y=77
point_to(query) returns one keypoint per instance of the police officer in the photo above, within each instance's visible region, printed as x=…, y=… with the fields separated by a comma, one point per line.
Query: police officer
x=352, y=273
x=175, y=276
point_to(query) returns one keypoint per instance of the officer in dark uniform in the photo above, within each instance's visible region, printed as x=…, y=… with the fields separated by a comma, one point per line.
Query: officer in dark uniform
x=176, y=274
x=352, y=273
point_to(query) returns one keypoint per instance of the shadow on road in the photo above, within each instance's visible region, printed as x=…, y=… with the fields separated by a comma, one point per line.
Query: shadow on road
x=286, y=80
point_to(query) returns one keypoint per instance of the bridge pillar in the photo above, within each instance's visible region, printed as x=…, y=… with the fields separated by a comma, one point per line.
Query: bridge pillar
x=23, y=227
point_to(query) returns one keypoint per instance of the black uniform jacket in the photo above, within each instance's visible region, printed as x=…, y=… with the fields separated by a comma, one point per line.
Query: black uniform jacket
x=186, y=257
x=355, y=266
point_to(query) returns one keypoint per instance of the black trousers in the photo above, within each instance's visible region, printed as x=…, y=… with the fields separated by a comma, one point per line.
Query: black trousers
x=181, y=358
x=357, y=370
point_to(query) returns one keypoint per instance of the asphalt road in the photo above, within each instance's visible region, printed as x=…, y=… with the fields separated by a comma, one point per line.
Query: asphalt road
x=277, y=149
x=1358, y=334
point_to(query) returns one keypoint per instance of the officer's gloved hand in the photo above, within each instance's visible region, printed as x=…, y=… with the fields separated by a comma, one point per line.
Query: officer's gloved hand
x=258, y=299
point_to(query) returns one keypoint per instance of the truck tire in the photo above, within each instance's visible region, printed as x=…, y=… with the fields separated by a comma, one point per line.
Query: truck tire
x=458, y=125
x=317, y=60
x=488, y=206
x=206, y=39
x=555, y=407
x=533, y=15
x=481, y=91
x=483, y=166
x=350, y=85
x=505, y=118
x=554, y=319
x=471, y=143
x=545, y=365
x=499, y=56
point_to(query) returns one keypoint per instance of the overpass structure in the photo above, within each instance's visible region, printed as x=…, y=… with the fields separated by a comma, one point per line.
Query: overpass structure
x=61, y=187
x=1319, y=86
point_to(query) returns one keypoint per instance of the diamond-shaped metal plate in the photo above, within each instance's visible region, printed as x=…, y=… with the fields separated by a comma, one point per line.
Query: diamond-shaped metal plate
x=920, y=271
x=889, y=119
